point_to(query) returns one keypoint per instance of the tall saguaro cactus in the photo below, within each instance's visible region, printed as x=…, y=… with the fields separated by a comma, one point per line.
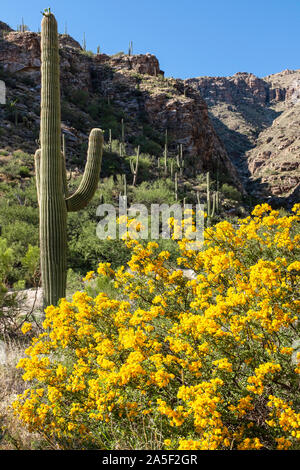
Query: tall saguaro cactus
x=54, y=203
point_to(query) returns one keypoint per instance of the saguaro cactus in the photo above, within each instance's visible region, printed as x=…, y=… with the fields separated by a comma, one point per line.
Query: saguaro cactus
x=180, y=159
x=54, y=203
x=176, y=187
x=134, y=169
x=210, y=212
x=166, y=153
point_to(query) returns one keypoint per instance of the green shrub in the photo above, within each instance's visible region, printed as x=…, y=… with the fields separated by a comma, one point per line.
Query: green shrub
x=24, y=171
x=156, y=192
x=231, y=192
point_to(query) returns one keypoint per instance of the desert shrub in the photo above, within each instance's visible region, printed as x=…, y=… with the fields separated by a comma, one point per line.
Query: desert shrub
x=231, y=192
x=6, y=259
x=209, y=363
x=75, y=117
x=147, y=145
x=156, y=192
x=145, y=164
x=85, y=248
x=10, y=318
x=31, y=265
x=79, y=97
x=74, y=281
x=24, y=171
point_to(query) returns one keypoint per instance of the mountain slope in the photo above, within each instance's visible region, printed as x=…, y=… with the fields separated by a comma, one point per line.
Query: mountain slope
x=258, y=121
x=101, y=90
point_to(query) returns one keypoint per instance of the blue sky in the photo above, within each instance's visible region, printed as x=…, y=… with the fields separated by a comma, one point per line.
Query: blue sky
x=190, y=37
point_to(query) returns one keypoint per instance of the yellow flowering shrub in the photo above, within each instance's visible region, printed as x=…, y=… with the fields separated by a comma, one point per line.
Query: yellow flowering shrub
x=178, y=363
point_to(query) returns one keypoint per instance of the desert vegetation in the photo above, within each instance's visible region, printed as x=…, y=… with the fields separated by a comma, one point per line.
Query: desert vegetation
x=140, y=343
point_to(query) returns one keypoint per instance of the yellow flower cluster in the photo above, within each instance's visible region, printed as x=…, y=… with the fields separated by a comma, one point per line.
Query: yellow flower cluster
x=203, y=363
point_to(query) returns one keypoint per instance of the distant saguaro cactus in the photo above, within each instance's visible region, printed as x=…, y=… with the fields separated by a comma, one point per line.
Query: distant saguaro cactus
x=166, y=153
x=210, y=212
x=54, y=202
x=134, y=169
x=180, y=159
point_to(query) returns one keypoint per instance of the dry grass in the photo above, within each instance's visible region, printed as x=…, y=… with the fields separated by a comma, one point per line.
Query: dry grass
x=13, y=434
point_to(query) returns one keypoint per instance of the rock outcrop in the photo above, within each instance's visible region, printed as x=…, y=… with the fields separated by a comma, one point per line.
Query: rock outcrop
x=133, y=83
x=242, y=125
x=258, y=120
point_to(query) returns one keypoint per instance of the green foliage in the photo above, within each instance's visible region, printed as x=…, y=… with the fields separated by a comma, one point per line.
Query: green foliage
x=74, y=281
x=24, y=171
x=79, y=97
x=156, y=192
x=147, y=145
x=86, y=249
x=102, y=284
x=231, y=192
x=6, y=259
x=31, y=262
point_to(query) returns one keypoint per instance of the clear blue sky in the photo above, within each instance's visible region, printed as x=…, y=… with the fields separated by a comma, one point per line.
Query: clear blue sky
x=190, y=37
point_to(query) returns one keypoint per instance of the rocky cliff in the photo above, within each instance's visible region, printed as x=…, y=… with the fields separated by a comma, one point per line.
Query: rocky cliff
x=130, y=87
x=242, y=126
x=258, y=121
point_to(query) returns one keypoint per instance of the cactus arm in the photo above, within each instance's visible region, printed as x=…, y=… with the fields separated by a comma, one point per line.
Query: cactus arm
x=90, y=179
x=131, y=166
x=37, y=163
x=214, y=206
x=135, y=170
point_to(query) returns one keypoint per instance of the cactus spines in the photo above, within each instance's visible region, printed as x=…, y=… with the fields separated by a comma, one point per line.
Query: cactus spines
x=50, y=174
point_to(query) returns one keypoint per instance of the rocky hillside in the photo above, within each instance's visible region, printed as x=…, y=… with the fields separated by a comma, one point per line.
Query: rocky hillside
x=243, y=128
x=101, y=90
x=258, y=121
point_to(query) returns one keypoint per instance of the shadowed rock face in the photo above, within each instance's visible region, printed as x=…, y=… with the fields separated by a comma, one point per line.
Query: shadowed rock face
x=135, y=83
x=258, y=121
